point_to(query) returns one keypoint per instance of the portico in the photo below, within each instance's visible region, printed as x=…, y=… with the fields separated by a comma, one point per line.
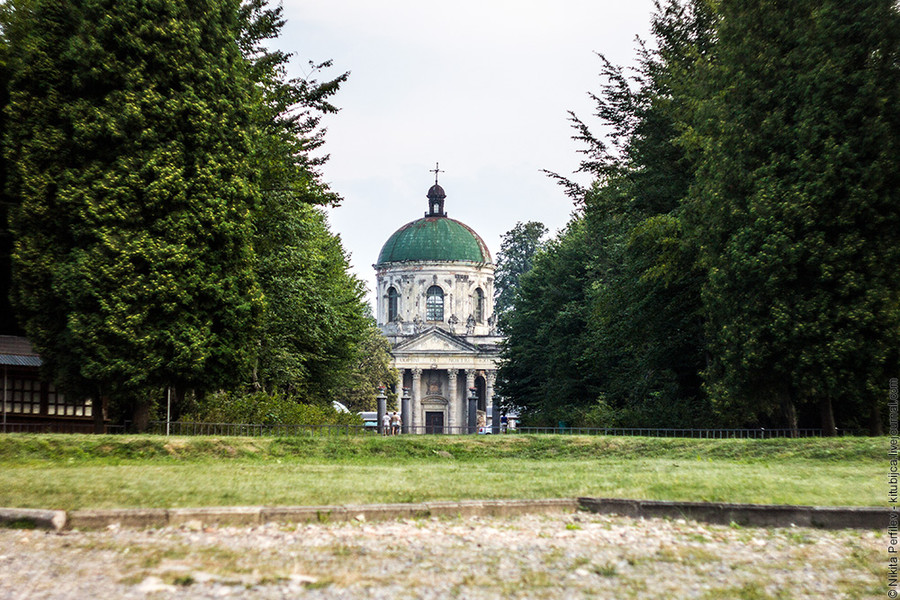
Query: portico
x=439, y=384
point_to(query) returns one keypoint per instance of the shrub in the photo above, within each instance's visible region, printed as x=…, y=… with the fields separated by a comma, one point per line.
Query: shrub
x=263, y=408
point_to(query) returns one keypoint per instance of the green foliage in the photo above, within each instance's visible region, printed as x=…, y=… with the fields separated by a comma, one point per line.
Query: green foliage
x=371, y=370
x=162, y=186
x=127, y=152
x=796, y=206
x=315, y=317
x=645, y=327
x=316, y=340
x=517, y=249
x=543, y=370
x=261, y=408
x=8, y=325
x=741, y=228
x=288, y=111
x=639, y=345
x=646, y=323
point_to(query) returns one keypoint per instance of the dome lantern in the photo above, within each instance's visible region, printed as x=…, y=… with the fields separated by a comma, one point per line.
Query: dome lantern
x=436, y=197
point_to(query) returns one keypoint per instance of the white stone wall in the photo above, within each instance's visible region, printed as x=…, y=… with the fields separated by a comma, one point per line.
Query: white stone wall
x=458, y=280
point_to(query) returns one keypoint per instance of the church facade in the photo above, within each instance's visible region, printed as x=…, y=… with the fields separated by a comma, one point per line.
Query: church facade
x=435, y=304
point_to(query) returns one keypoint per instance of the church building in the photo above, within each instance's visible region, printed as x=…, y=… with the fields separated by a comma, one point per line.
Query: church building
x=435, y=303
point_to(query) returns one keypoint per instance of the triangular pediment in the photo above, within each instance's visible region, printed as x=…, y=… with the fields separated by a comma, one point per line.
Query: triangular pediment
x=434, y=340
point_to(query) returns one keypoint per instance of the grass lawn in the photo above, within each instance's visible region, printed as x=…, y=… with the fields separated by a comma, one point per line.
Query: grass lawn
x=80, y=471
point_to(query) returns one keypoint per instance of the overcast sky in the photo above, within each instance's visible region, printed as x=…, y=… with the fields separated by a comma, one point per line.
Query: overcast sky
x=481, y=86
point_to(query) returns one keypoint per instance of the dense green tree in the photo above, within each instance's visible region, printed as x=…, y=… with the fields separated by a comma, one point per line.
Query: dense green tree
x=741, y=223
x=315, y=313
x=545, y=372
x=8, y=324
x=642, y=350
x=517, y=249
x=797, y=206
x=646, y=326
x=127, y=145
x=163, y=181
x=288, y=111
x=317, y=342
x=370, y=370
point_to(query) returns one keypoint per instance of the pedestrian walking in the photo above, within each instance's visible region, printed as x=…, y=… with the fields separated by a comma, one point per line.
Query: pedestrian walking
x=395, y=424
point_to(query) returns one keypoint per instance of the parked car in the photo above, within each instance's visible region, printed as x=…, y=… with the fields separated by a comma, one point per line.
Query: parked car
x=370, y=419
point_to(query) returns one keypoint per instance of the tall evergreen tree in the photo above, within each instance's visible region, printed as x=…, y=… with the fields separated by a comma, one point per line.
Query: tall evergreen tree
x=797, y=206
x=288, y=112
x=645, y=326
x=128, y=140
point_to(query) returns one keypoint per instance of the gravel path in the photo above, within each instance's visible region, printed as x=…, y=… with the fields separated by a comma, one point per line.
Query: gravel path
x=536, y=556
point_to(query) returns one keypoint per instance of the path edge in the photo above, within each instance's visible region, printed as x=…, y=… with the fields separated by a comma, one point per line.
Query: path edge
x=720, y=513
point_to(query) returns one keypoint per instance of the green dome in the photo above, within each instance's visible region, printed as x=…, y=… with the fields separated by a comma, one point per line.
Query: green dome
x=434, y=239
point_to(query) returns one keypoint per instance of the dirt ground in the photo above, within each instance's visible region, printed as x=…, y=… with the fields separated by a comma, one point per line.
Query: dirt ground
x=536, y=556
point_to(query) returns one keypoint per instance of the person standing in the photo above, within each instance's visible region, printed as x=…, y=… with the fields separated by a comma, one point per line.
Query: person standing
x=395, y=424
x=386, y=424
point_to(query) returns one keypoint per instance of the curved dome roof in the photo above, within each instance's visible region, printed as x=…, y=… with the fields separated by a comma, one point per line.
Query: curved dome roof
x=434, y=238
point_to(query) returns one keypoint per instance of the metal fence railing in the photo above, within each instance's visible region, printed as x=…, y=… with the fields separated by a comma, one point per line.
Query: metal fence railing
x=245, y=429
x=58, y=427
x=238, y=429
x=749, y=433
x=252, y=430
x=255, y=430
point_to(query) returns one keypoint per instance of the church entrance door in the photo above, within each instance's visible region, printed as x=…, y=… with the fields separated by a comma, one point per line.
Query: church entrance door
x=434, y=422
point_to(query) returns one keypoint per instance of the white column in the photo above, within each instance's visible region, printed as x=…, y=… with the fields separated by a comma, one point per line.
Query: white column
x=470, y=380
x=453, y=406
x=416, y=400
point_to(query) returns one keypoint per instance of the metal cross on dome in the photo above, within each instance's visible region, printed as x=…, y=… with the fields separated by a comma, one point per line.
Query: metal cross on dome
x=435, y=170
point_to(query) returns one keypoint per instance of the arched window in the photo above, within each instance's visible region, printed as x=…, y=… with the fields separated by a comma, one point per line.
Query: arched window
x=434, y=304
x=393, y=304
x=479, y=305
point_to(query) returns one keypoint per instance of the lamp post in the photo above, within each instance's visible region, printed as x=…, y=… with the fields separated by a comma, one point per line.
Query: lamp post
x=473, y=409
x=404, y=411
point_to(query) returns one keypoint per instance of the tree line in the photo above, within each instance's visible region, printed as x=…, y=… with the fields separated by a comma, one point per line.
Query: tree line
x=163, y=205
x=734, y=261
